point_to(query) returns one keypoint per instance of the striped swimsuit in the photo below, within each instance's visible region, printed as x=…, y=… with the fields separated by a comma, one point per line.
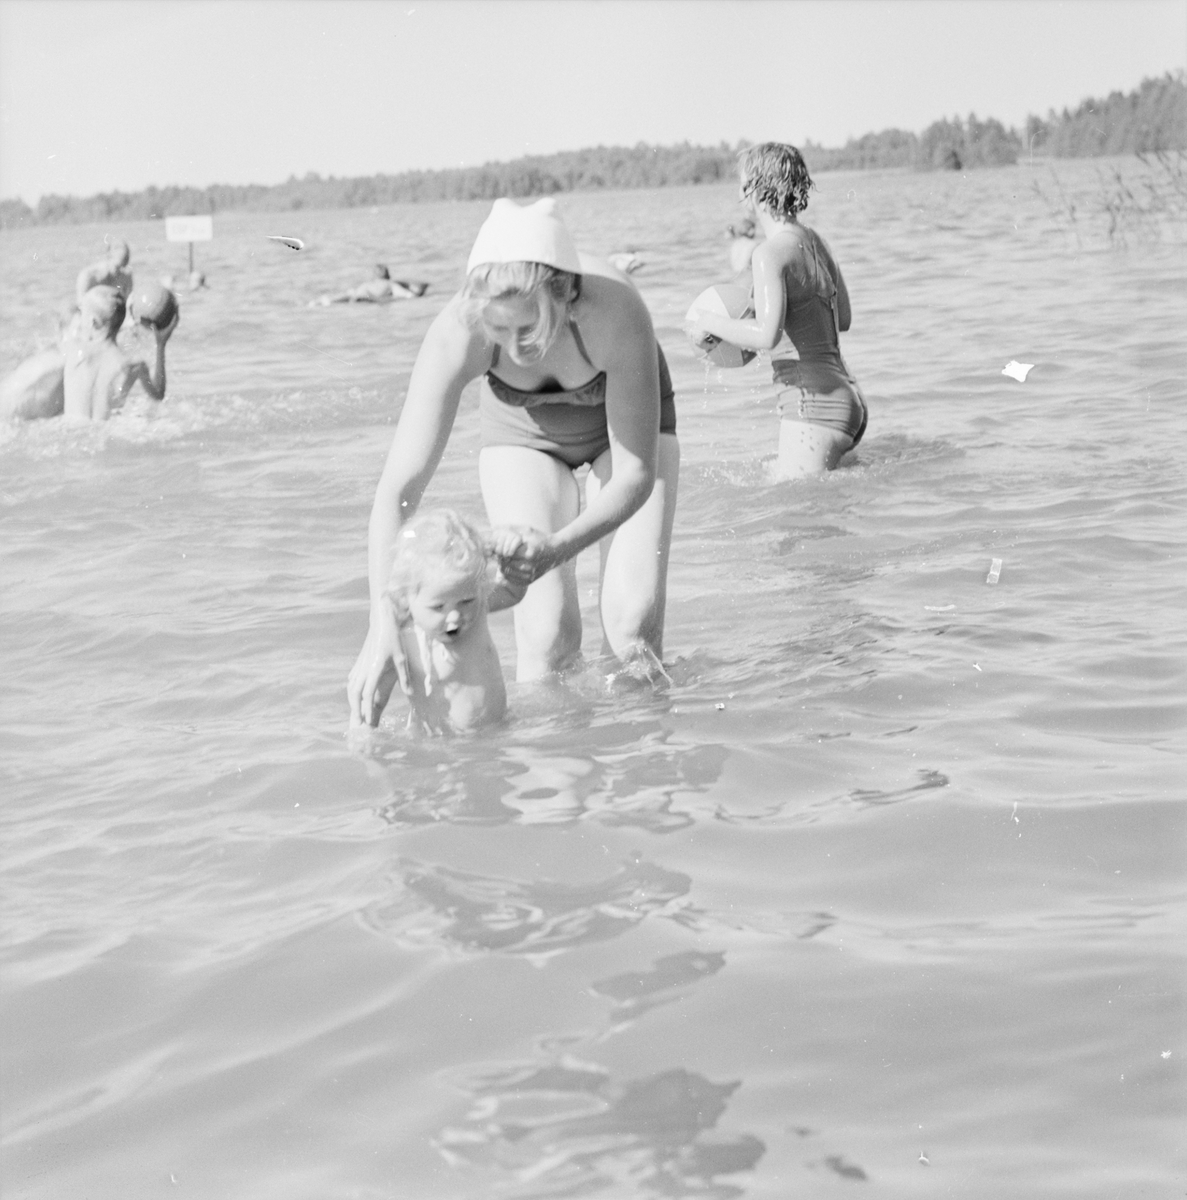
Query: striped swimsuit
x=816, y=388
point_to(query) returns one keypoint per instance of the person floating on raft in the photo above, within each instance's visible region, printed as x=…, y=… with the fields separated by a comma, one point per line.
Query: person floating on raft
x=378, y=290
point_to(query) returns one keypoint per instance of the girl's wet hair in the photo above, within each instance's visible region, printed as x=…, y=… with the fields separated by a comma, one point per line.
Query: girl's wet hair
x=437, y=542
x=552, y=289
x=106, y=306
x=776, y=176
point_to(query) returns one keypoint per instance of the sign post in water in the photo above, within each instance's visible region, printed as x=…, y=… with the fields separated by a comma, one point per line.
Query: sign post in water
x=189, y=229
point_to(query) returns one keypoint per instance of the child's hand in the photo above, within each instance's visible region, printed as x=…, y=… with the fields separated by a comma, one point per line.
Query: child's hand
x=164, y=334
x=533, y=556
x=504, y=541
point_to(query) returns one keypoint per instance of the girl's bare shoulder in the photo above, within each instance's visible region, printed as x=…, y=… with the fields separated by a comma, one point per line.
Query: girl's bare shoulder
x=788, y=244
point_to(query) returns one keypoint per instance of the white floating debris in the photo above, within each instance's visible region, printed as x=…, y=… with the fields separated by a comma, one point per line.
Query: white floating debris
x=995, y=571
x=925, y=1160
x=1017, y=370
x=719, y=707
x=938, y=607
x=291, y=242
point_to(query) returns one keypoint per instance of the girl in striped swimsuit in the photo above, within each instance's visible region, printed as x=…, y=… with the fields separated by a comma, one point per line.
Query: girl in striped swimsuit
x=798, y=291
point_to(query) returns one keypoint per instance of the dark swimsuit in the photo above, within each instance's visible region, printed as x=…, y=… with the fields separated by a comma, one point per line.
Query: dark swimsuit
x=569, y=424
x=817, y=386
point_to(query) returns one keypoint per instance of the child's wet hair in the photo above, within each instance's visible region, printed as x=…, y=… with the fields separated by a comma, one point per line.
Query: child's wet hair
x=776, y=175
x=437, y=542
x=552, y=289
x=106, y=306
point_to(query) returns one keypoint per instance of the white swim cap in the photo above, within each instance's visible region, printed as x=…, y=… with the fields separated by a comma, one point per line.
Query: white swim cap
x=534, y=233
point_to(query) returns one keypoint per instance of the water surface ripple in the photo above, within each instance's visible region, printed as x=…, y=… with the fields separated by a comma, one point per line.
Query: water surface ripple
x=885, y=888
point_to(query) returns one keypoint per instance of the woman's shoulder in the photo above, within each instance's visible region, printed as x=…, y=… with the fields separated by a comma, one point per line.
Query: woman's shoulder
x=611, y=315
x=607, y=292
x=796, y=250
x=452, y=336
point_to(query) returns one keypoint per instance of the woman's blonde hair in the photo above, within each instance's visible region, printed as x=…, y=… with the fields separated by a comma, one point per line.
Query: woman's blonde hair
x=776, y=175
x=437, y=542
x=552, y=289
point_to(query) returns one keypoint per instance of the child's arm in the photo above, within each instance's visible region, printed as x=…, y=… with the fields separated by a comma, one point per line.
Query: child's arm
x=153, y=381
x=763, y=330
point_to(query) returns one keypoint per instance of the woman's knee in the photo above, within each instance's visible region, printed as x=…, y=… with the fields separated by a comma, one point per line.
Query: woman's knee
x=633, y=602
x=548, y=625
x=628, y=620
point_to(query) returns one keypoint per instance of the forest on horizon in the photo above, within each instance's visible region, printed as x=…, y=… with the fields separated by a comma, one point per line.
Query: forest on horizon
x=1150, y=119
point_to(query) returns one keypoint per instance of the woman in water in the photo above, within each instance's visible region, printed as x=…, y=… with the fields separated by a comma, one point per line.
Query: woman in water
x=798, y=291
x=571, y=374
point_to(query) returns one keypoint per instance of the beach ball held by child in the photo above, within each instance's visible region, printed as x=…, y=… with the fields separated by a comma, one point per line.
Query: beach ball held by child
x=153, y=305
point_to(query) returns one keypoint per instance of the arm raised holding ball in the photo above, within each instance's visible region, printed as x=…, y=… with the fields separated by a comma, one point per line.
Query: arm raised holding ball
x=97, y=375
x=152, y=379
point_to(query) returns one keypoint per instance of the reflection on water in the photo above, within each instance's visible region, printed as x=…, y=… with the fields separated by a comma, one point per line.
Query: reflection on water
x=635, y=992
x=570, y=1128
x=536, y=917
x=880, y=885
x=636, y=775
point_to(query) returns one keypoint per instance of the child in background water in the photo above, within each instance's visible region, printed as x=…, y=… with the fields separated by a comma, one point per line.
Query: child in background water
x=97, y=375
x=441, y=591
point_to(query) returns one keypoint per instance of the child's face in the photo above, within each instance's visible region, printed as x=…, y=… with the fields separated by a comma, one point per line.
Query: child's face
x=445, y=606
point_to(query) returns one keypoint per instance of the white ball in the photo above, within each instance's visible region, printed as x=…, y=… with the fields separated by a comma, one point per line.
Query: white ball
x=725, y=300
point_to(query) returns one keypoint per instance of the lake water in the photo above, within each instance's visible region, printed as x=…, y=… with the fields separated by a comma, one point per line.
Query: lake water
x=883, y=895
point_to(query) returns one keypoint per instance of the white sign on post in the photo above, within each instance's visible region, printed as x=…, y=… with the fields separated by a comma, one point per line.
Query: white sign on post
x=189, y=229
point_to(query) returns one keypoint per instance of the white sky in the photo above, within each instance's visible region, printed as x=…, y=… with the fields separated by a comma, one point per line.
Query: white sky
x=99, y=95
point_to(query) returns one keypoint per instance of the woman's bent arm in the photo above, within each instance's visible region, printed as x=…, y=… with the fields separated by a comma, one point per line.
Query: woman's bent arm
x=449, y=358
x=763, y=330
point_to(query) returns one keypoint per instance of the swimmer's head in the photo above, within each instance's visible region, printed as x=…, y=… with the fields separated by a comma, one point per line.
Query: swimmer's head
x=523, y=273
x=118, y=252
x=436, y=546
x=381, y=271
x=775, y=176
x=103, y=307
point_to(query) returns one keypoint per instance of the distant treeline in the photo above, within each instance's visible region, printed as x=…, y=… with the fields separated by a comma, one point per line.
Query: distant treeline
x=1152, y=118
x=539, y=175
